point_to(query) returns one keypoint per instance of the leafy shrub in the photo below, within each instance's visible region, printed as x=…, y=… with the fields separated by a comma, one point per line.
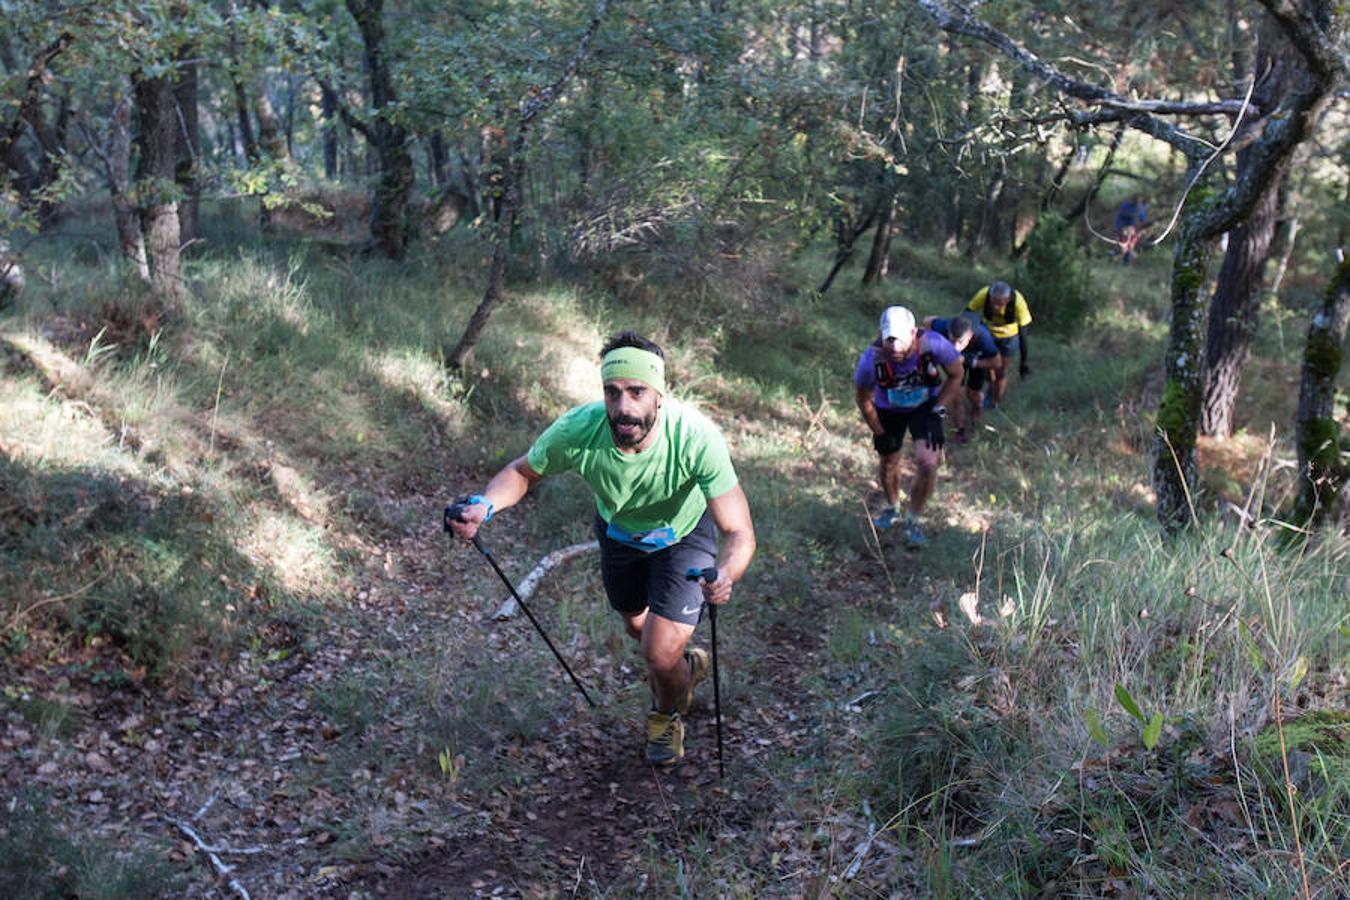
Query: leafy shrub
x=38, y=861
x=1054, y=273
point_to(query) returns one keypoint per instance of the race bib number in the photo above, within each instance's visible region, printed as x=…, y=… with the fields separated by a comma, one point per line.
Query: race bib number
x=905, y=397
x=647, y=541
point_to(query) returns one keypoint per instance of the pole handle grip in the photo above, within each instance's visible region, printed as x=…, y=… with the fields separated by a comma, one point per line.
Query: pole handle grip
x=453, y=513
x=694, y=573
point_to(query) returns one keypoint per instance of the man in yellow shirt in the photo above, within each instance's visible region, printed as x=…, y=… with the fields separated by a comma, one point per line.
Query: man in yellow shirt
x=1006, y=314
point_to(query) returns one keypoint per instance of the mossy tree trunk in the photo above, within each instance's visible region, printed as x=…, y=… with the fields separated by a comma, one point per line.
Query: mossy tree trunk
x=1174, y=465
x=1322, y=470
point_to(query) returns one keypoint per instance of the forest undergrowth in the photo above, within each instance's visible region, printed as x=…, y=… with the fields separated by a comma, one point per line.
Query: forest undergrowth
x=231, y=626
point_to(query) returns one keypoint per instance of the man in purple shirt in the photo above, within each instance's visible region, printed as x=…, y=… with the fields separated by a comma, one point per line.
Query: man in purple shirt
x=903, y=382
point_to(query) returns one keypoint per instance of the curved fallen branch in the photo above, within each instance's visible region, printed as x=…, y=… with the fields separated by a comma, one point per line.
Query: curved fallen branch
x=221, y=869
x=510, y=609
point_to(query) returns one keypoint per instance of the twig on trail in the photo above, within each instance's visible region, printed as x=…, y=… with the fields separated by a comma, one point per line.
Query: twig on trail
x=22, y=613
x=215, y=410
x=861, y=697
x=221, y=869
x=876, y=539
x=860, y=854
x=510, y=608
x=580, y=866
x=205, y=806
x=660, y=790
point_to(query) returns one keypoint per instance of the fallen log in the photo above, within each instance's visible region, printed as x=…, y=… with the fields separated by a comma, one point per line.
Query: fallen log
x=509, y=608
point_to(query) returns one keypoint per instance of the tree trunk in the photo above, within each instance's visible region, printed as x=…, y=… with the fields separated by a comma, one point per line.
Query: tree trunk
x=1288, y=236
x=438, y=158
x=1322, y=469
x=1174, y=463
x=329, y=104
x=158, y=142
x=984, y=235
x=130, y=239
x=1081, y=206
x=533, y=106
x=28, y=180
x=189, y=143
x=846, y=234
x=246, y=137
x=388, y=215
x=496, y=286
x=1237, y=298
x=51, y=144
x=953, y=223
x=879, y=260
x=1233, y=314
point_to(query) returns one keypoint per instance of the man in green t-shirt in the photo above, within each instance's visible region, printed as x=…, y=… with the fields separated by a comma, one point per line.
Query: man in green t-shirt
x=664, y=488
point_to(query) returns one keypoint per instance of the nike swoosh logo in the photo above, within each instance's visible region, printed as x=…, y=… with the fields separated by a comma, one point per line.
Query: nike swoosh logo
x=689, y=612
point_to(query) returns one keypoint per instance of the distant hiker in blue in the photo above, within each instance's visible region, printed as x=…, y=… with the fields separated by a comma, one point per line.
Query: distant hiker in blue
x=979, y=354
x=1131, y=219
x=904, y=381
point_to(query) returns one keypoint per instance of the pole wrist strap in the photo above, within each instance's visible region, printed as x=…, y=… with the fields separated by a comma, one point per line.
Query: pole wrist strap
x=480, y=500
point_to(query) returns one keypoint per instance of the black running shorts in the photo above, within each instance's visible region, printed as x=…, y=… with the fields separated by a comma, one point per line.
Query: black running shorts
x=920, y=422
x=636, y=580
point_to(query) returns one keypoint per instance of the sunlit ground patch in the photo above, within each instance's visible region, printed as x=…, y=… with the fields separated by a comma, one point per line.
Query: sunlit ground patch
x=292, y=550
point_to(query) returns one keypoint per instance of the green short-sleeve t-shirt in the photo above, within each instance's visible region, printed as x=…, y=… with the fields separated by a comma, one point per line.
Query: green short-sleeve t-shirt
x=668, y=485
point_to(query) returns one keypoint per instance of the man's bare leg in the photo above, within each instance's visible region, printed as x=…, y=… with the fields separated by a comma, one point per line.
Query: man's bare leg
x=925, y=476
x=998, y=381
x=663, y=643
x=890, y=478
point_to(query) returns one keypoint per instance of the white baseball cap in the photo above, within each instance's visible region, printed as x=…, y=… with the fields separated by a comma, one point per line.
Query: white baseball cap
x=897, y=321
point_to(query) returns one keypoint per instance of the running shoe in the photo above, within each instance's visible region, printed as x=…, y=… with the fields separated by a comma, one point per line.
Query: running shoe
x=665, y=738
x=914, y=535
x=887, y=519
x=697, y=659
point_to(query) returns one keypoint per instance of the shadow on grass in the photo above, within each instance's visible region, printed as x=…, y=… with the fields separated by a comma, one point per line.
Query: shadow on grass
x=118, y=560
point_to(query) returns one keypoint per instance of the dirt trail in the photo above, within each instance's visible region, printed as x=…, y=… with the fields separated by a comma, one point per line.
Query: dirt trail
x=314, y=751
x=586, y=814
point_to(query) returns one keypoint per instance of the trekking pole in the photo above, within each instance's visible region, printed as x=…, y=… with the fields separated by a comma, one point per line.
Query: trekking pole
x=455, y=513
x=710, y=575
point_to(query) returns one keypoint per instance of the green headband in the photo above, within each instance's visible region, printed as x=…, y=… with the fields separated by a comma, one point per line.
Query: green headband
x=631, y=362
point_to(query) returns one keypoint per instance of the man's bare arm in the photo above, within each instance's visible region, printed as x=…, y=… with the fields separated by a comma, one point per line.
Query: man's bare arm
x=731, y=514
x=951, y=388
x=863, y=397
x=505, y=490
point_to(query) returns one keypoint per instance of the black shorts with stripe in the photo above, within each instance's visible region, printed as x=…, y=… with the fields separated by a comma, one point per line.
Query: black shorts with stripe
x=636, y=580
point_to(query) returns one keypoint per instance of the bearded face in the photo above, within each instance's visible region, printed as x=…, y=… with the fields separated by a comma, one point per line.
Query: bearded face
x=631, y=407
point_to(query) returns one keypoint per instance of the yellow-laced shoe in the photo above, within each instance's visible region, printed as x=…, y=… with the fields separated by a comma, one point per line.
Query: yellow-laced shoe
x=665, y=738
x=697, y=659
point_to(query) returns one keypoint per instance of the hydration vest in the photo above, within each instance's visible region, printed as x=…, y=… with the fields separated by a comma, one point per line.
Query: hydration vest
x=1007, y=317
x=928, y=373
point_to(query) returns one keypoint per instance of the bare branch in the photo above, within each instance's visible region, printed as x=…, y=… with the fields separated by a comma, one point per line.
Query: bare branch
x=1137, y=114
x=37, y=75
x=536, y=103
x=221, y=869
